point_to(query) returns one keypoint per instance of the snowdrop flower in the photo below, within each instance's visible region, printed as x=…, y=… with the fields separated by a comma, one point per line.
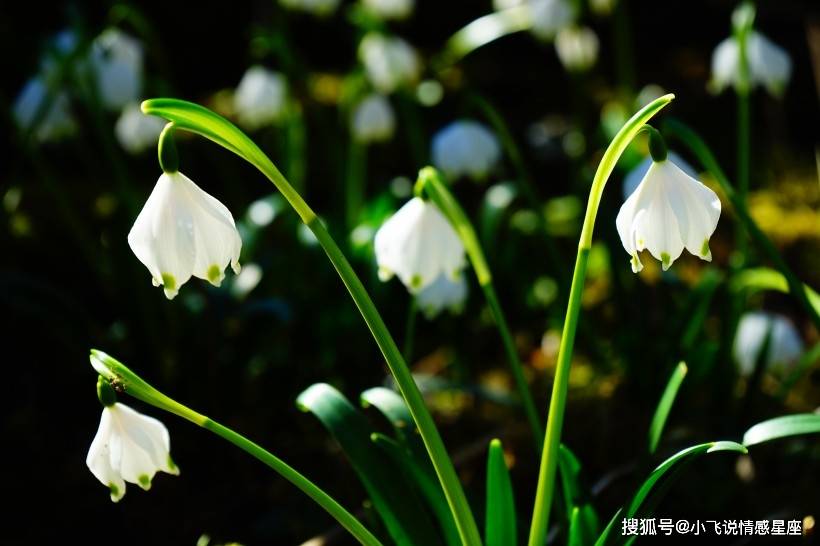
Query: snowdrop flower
x=577, y=48
x=373, y=119
x=389, y=61
x=320, y=8
x=669, y=211
x=135, y=131
x=56, y=121
x=769, y=64
x=634, y=177
x=259, y=99
x=550, y=16
x=129, y=447
x=465, y=148
x=390, y=9
x=183, y=231
x=116, y=60
x=418, y=245
x=443, y=293
x=785, y=345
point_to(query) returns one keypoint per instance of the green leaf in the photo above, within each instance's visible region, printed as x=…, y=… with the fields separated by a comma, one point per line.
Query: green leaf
x=763, y=278
x=782, y=427
x=657, y=484
x=500, y=529
x=393, y=497
x=426, y=483
x=604, y=538
x=665, y=405
x=582, y=519
x=484, y=30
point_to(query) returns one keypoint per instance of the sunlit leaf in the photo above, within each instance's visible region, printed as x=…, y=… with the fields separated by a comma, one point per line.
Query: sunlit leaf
x=782, y=427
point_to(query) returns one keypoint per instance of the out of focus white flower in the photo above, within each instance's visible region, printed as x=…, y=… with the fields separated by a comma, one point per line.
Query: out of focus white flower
x=418, y=245
x=373, y=119
x=465, y=148
x=136, y=132
x=390, y=9
x=260, y=98
x=634, y=177
x=183, y=231
x=129, y=447
x=769, y=65
x=116, y=60
x=669, y=211
x=321, y=8
x=577, y=48
x=56, y=121
x=389, y=61
x=785, y=345
x=443, y=293
x=550, y=16
x=247, y=280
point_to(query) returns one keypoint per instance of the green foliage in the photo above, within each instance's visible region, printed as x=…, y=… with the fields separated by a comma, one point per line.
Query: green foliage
x=500, y=526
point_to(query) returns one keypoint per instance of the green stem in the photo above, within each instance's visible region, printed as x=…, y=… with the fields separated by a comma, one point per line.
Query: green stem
x=431, y=183
x=123, y=378
x=707, y=159
x=200, y=120
x=549, y=457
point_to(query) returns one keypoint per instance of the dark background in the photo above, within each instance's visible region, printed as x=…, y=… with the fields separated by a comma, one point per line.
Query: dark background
x=244, y=362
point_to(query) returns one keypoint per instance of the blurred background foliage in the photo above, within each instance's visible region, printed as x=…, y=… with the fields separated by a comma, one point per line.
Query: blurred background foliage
x=243, y=352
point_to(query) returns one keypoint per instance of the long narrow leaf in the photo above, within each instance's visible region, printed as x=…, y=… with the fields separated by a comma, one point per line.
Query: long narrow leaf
x=782, y=427
x=582, y=519
x=393, y=497
x=500, y=529
x=665, y=405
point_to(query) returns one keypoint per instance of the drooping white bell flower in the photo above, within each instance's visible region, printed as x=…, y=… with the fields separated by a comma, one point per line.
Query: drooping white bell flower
x=135, y=131
x=785, y=345
x=57, y=120
x=183, y=231
x=443, y=293
x=129, y=447
x=116, y=60
x=634, y=177
x=465, y=148
x=577, y=48
x=260, y=98
x=550, y=16
x=669, y=211
x=320, y=8
x=418, y=244
x=389, y=61
x=390, y=9
x=373, y=119
x=769, y=65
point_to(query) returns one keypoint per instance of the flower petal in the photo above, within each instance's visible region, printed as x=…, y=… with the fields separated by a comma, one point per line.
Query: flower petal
x=98, y=459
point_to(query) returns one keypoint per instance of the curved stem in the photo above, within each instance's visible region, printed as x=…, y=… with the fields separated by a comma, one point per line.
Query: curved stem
x=707, y=159
x=124, y=379
x=549, y=457
x=433, y=186
x=200, y=120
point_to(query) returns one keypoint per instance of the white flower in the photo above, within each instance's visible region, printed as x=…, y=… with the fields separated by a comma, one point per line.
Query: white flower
x=391, y=9
x=56, y=120
x=670, y=210
x=260, y=98
x=634, y=177
x=550, y=16
x=320, y=8
x=117, y=63
x=465, y=148
x=136, y=132
x=442, y=293
x=389, y=61
x=418, y=245
x=129, y=447
x=785, y=345
x=373, y=119
x=769, y=65
x=577, y=48
x=183, y=231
